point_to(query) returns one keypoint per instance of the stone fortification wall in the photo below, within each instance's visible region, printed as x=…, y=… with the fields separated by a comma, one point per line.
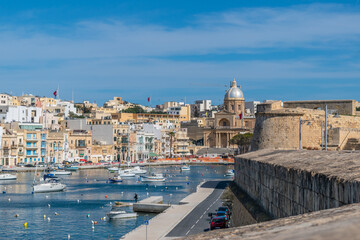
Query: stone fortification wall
x=343, y=107
x=287, y=183
x=279, y=128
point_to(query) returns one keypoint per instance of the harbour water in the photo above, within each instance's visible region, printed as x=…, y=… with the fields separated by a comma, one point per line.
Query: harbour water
x=88, y=198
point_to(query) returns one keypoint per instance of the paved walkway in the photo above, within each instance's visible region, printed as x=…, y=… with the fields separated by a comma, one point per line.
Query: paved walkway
x=163, y=223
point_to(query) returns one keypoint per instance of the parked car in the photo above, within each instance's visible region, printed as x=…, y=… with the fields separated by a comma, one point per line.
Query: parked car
x=218, y=222
x=224, y=209
x=29, y=165
x=222, y=214
x=20, y=164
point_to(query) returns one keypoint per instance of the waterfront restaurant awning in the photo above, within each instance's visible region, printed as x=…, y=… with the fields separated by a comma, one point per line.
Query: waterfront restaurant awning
x=153, y=155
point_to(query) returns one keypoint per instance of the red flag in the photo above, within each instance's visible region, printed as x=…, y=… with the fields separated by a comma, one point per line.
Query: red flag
x=148, y=99
x=240, y=115
x=55, y=94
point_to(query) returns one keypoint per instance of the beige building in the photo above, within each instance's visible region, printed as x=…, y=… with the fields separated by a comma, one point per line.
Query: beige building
x=181, y=143
x=80, y=145
x=228, y=122
x=102, y=152
x=56, y=146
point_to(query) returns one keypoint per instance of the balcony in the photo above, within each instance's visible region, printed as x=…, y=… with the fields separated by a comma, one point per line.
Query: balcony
x=32, y=155
x=32, y=139
x=20, y=153
x=31, y=147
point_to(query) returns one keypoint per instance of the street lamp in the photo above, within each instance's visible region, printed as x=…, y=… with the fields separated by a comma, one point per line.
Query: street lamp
x=301, y=122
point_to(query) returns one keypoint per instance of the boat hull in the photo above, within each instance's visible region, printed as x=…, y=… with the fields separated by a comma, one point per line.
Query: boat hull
x=7, y=177
x=121, y=215
x=49, y=187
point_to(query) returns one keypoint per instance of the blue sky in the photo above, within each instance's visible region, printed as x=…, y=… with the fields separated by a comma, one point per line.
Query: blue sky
x=172, y=50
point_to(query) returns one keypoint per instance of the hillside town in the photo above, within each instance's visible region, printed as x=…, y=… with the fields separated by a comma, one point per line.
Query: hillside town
x=37, y=129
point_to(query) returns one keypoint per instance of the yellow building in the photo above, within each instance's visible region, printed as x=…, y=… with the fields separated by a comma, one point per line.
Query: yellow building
x=80, y=145
x=102, y=152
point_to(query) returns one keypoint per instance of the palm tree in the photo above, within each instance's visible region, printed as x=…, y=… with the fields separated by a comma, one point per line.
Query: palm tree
x=171, y=134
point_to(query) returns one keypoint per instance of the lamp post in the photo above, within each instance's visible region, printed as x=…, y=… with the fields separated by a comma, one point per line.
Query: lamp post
x=326, y=131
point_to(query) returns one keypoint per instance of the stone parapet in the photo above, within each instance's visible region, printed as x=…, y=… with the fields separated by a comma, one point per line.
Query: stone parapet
x=287, y=183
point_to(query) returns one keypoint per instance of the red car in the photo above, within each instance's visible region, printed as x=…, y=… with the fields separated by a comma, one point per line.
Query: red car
x=218, y=222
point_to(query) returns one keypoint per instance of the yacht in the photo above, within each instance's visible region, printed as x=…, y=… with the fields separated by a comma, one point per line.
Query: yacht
x=153, y=178
x=185, y=168
x=49, y=185
x=138, y=170
x=120, y=214
x=7, y=176
x=60, y=172
x=113, y=169
x=126, y=173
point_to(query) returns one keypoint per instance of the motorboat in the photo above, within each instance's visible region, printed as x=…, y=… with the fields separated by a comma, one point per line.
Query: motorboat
x=113, y=169
x=7, y=176
x=72, y=168
x=126, y=173
x=138, y=170
x=230, y=173
x=62, y=172
x=153, y=178
x=115, y=179
x=185, y=168
x=120, y=214
x=49, y=185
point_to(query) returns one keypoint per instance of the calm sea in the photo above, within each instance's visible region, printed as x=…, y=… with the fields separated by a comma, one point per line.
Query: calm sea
x=88, y=198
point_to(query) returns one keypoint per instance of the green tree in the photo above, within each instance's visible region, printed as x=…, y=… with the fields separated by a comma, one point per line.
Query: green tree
x=136, y=109
x=171, y=134
x=243, y=141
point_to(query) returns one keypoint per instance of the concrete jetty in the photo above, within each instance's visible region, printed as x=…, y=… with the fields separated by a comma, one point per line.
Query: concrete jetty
x=163, y=223
x=152, y=204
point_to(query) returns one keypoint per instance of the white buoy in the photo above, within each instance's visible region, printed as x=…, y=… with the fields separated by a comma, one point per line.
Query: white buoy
x=78, y=201
x=49, y=205
x=69, y=236
x=46, y=196
x=9, y=200
x=56, y=213
x=147, y=194
x=48, y=219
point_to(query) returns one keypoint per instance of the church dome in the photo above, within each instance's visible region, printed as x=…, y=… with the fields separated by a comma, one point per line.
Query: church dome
x=234, y=92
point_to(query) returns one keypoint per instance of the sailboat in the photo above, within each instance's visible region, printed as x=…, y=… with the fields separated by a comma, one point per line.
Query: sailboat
x=49, y=184
x=7, y=176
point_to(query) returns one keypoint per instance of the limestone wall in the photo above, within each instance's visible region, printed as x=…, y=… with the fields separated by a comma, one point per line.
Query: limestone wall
x=279, y=129
x=287, y=183
x=343, y=107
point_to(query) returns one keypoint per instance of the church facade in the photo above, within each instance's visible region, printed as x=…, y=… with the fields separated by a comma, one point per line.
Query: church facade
x=228, y=122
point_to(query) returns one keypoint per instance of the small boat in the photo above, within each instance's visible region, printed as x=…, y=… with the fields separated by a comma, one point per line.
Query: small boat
x=7, y=176
x=116, y=178
x=72, y=168
x=113, y=169
x=50, y=185
x=138, y=170
x=230, y=173
x=185, y=168
x=126, y=173
x=120, y=215
x=153, y=178
x=60, y=173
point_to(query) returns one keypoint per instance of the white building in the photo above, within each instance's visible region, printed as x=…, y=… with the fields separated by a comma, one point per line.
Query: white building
x=144, y=145
x=20, y=114
x=5, y=99
x=250, y=107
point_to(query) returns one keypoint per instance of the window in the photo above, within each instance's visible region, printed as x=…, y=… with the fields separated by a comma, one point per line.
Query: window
x=81, y=143
x=239, y=107
x=232, y=107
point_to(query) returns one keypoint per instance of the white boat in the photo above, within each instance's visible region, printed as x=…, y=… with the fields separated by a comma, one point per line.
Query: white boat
x=138, y=170
x=126, y=173
x=185, y=168
x=153, y=178
x=61, y=173
x=230, y=173
x=120, y=215
x=7, y=176
x=113, y=169
x=50, y=185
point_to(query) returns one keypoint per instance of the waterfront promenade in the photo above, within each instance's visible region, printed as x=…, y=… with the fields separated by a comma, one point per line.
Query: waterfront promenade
x=180, y=220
